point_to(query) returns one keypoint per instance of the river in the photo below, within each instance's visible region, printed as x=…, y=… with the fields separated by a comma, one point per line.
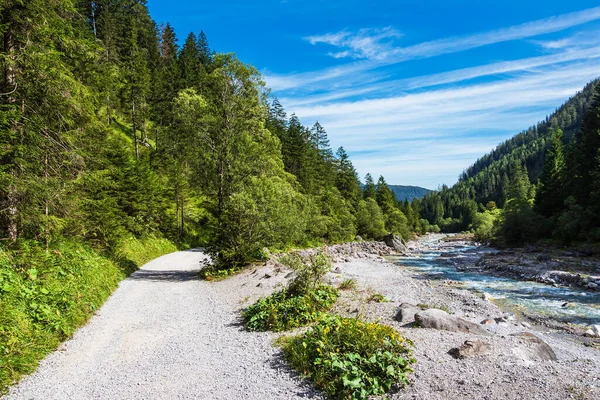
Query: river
x=563, y=304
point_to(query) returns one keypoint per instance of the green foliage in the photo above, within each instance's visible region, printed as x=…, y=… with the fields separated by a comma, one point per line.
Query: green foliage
x=348, y=358
x=483, y=225
x=137, y=252
x=301, y=302
x=348, y=284
x=44, y=297
x=283, y=310
x=377, y=298
x=308, y=271
x=490, y=177
x=370, y=220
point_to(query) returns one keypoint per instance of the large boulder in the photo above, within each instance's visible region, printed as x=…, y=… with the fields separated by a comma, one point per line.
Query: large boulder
x=396, y=243
x=406, y=313
x=441, y=320
x=470, y=348
x=532, y=348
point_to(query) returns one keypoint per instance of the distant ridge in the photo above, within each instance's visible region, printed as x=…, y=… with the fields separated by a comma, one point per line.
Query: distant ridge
x=409, y=192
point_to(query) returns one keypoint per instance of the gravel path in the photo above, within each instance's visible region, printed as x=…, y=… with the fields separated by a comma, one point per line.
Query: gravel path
x=164, y=334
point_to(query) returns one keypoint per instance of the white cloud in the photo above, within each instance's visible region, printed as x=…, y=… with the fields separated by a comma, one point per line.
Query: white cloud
x=440, y=132
x=432, y=80
x=425, y=130
x=428, y=49
x=366, y=43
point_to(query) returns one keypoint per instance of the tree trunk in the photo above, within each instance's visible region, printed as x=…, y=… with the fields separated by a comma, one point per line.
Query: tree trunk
x=181, y=234
x=47, y=233
x=10, y=81
x=134, y=127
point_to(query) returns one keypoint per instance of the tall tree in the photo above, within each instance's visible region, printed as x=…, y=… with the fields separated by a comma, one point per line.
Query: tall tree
x=369, y=191
x=550, y=195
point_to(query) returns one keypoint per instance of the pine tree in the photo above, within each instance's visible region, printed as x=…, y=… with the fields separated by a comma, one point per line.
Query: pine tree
x=189, y=63
x=347, y=179
x=551, y=191
x=205, y=53
x=585, y=152
x=369, y=191
x=385, y=197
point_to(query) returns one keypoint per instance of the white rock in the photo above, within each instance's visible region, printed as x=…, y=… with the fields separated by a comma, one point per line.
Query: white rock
x=592, y=285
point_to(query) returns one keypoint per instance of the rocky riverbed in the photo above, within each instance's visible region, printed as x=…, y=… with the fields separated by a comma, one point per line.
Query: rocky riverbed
x=466, y=345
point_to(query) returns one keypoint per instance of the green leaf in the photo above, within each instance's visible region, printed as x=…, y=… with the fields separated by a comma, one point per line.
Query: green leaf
x=352, y=383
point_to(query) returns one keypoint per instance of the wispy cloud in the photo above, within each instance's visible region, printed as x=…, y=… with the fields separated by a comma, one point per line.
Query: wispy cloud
x=428, y=49
x=366, y=43
x=426, y=129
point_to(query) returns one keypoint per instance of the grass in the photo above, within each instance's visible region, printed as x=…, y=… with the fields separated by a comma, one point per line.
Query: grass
x=377, y=298
x=348, y=284
x=442, y=307
x=347, y=358
x=46, y=295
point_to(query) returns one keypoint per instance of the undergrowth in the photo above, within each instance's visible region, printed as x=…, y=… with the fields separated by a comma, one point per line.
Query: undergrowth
x=46, y=295
x=350, y=359
x=283, y=310
x=132, y=253
x=303, y=300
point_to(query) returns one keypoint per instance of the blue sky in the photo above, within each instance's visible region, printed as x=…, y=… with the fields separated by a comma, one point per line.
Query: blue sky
x=414, y=92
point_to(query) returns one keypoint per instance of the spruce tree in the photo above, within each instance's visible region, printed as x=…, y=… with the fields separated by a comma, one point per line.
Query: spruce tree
x=551, y=189
x=369, y=191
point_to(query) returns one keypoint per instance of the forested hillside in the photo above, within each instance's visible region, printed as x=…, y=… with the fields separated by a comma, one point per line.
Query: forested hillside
x=488, y=179
x=544, y=179
x=118, y=142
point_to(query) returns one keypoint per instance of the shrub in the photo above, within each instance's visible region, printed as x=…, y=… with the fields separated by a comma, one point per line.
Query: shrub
x=309, y=271
x=283, y=310
x=301, y=302
x=348, y=358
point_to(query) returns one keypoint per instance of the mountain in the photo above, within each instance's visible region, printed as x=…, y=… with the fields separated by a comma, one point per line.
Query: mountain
x=489, y=178
x=409, y=192
x=483, y=181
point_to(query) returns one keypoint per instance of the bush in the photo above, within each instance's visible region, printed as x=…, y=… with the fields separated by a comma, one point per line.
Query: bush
x=283, y=310
x=349, y=358
x=309, y=272
x=301, y=302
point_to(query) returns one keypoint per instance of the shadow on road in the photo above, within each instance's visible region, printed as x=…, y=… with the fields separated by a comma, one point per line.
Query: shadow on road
x=165, y=276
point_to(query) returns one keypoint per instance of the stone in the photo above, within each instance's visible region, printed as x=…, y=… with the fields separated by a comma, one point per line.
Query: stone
x=531, y=249
x=406, y=313
x=544, y=258
x=487, y=296
x=441, y=320
x=488, y=322
x=526, y=324
x=532, y=348
x=471, y=348
x=395, y=242
x=593, y=331
x=592, y=285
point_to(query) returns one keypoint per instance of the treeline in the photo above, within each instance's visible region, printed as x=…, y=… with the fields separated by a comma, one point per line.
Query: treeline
x=545, y=180
x=110, y=129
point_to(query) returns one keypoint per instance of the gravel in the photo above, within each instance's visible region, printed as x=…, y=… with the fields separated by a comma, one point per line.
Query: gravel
x=164, y=334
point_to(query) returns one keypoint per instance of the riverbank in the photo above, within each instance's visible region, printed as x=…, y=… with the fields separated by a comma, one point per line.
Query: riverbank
x=507, y=355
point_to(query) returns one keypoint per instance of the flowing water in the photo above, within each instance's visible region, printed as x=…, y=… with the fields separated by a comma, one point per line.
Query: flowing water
x=583, y=306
